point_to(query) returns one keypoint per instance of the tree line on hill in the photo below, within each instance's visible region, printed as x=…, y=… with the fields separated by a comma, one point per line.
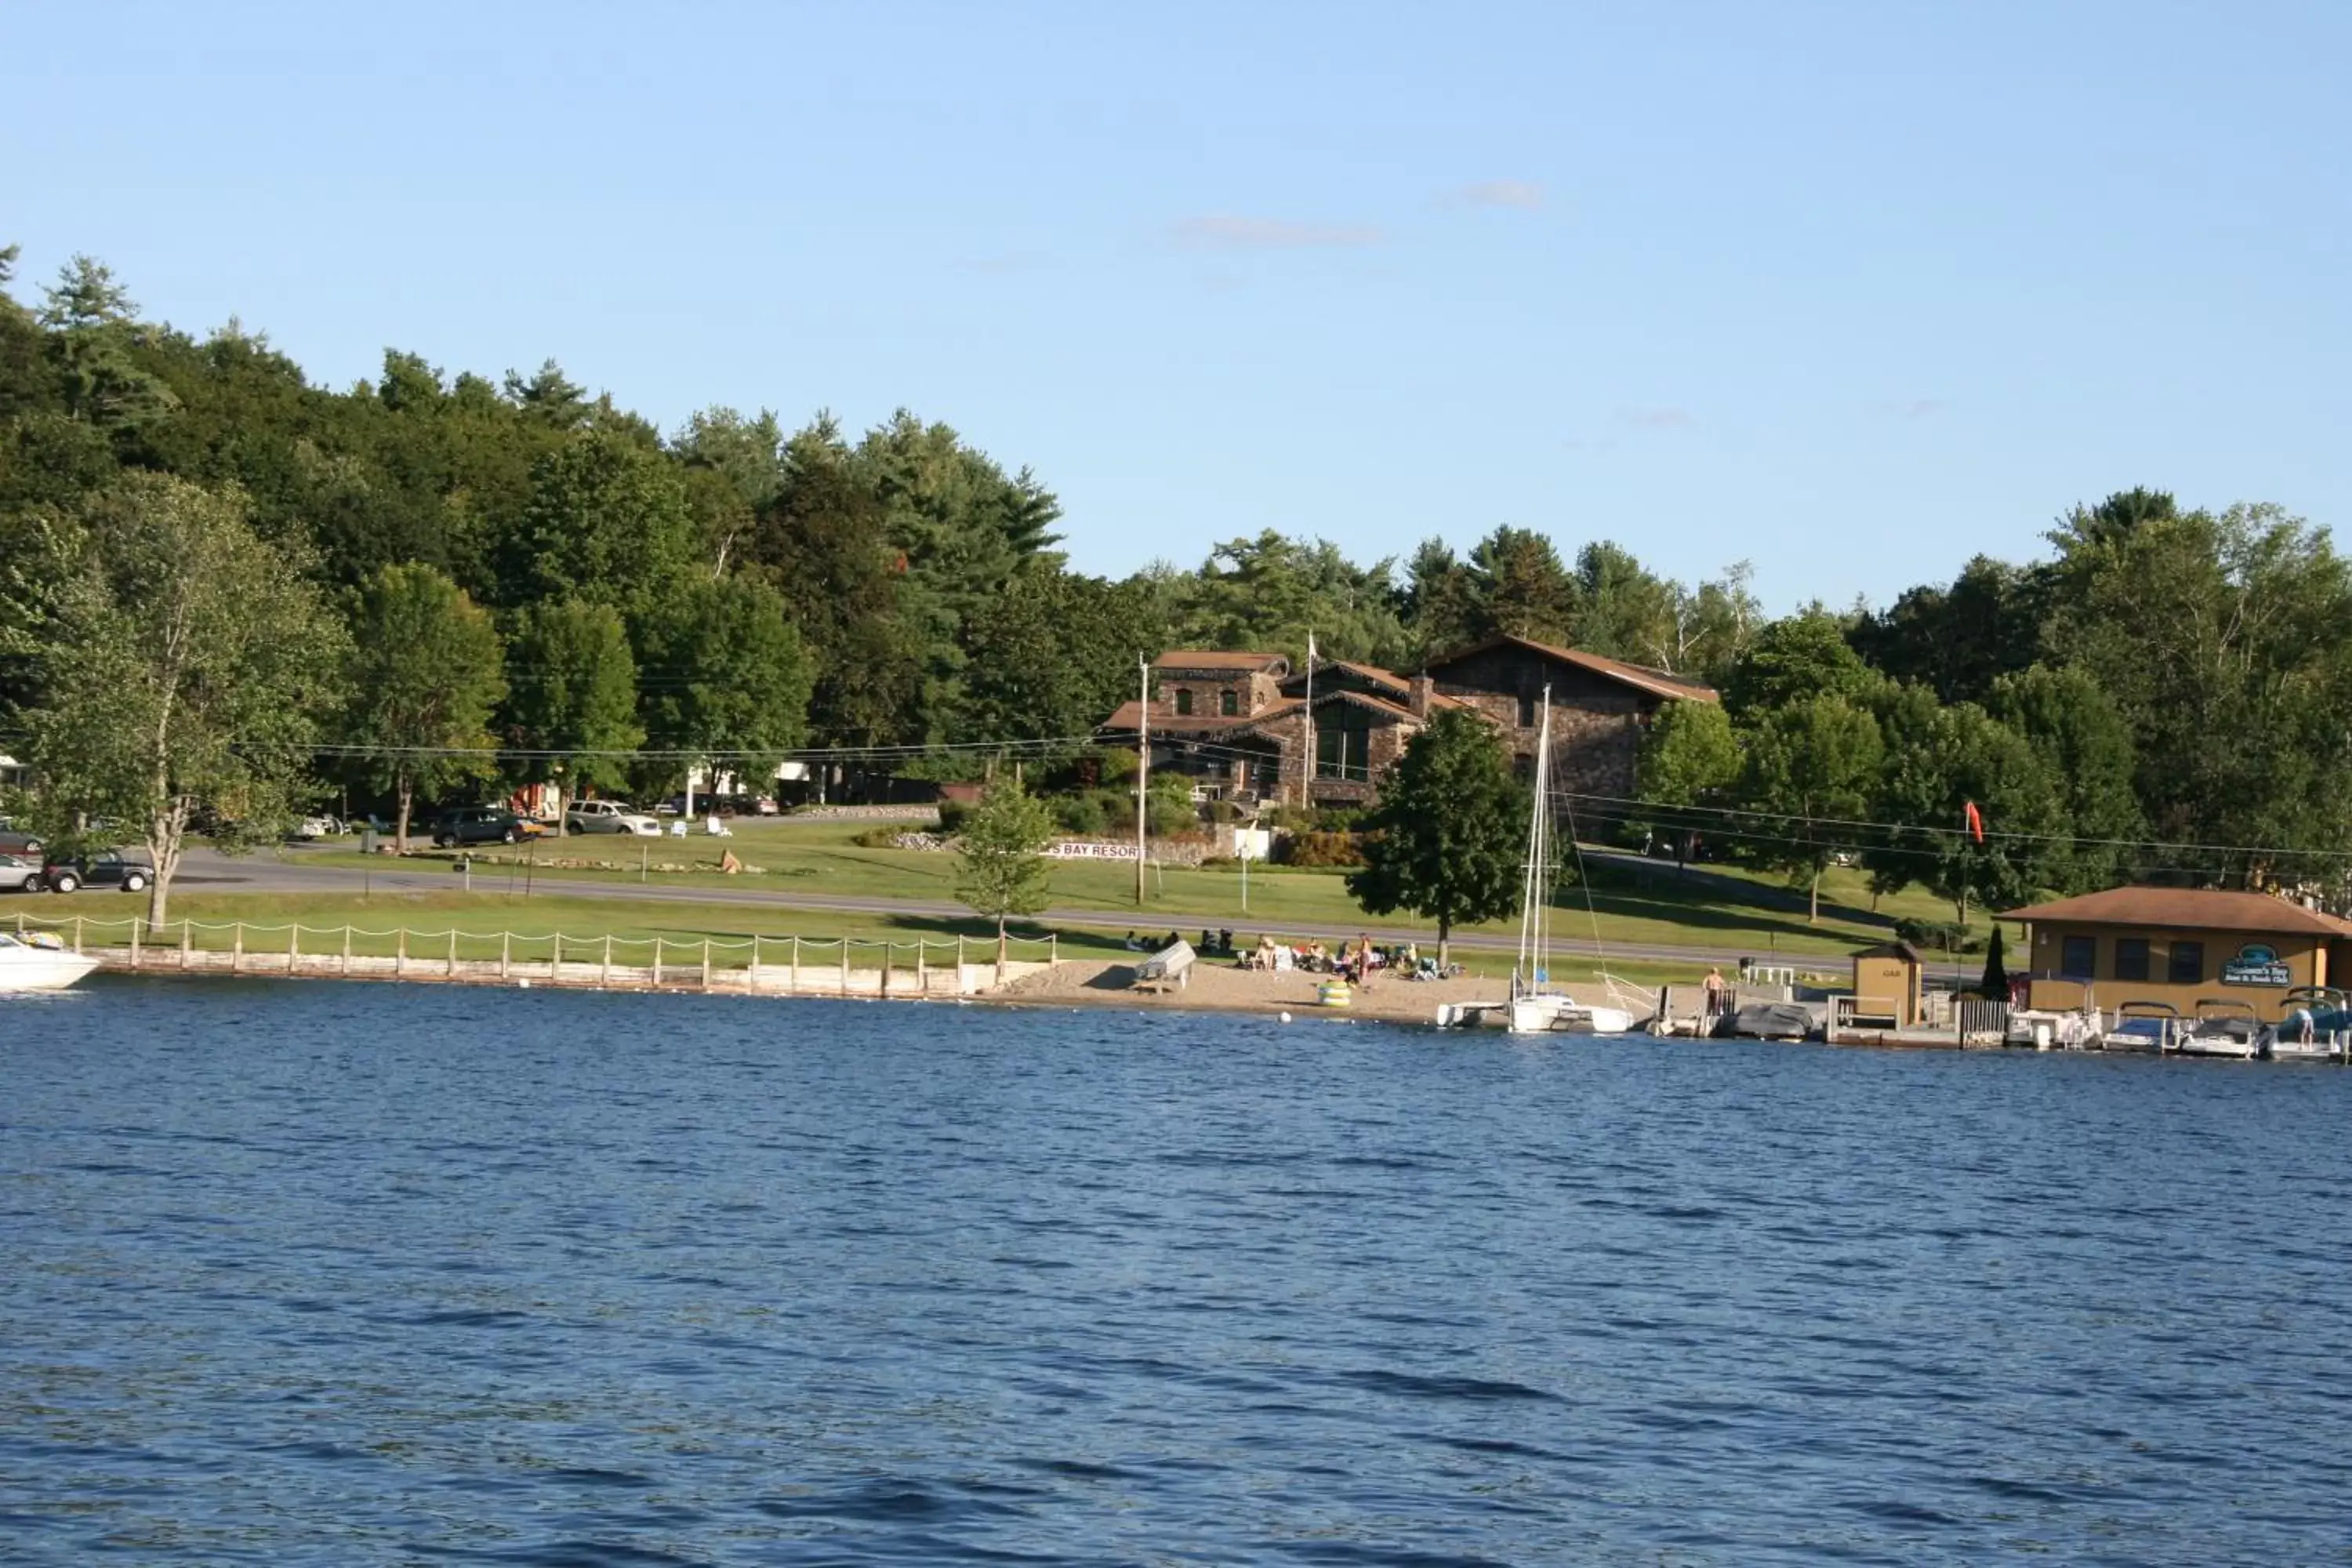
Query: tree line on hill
x=224, y=590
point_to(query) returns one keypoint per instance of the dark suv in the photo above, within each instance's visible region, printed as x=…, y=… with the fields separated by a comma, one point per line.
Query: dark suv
x=109, y=869
x=482, y=824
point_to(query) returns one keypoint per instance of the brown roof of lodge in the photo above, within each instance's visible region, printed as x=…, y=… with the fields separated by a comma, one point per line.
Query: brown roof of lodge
x=2185, y=909
x=1213, y=658
x=1657, y=682
x=1129, y=716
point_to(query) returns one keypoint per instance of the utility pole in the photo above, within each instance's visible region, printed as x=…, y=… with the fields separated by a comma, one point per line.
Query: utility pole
x=1142, y=770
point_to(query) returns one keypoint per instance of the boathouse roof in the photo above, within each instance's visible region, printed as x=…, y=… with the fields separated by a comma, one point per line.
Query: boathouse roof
x=2185, y=909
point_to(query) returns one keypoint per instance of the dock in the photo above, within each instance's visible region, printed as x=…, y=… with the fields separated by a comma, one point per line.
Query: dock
x=752, y=966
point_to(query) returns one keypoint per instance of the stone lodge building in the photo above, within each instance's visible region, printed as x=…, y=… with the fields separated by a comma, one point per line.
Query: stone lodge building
x=1238, y=723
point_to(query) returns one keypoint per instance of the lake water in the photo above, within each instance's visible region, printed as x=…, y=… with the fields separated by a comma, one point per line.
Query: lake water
x=349, y=1274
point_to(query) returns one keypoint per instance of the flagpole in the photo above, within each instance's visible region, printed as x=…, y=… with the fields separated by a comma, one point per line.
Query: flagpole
x=1307, y=791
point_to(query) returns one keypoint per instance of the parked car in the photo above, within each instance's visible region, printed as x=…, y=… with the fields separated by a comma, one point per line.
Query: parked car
x=609, y=817
x=483, y=825
x=15, y=842
x=20, y=873
x=107, y=870
x=320, y=826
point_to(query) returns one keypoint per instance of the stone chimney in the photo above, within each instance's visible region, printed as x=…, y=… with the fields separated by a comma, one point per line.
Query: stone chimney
x=1423, y=688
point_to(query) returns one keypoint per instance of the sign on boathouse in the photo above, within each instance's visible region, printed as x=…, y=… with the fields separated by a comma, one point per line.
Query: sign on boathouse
x=2256, y=964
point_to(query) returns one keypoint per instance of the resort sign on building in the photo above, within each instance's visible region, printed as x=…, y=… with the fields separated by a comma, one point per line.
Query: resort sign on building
x=2255, y=964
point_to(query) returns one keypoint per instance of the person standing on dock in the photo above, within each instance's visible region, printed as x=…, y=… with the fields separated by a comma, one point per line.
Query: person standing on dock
x=1713, y=986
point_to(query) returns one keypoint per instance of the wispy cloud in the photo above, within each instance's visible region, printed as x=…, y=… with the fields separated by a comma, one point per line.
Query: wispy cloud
x=1226, y=231
x=1912, y=407
x=1657, y=418
x=1524, y=195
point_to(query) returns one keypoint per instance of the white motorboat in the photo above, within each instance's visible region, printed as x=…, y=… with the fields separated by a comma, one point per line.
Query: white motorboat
x=35, y=964
x=2315, y=1025
x=2220, y=1029
x=1534, y=1006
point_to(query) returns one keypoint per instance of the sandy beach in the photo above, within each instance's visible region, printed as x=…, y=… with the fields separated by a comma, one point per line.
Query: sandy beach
x=1215, y=986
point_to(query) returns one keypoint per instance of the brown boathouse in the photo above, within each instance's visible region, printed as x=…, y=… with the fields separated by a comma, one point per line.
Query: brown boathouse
x=2179, y=946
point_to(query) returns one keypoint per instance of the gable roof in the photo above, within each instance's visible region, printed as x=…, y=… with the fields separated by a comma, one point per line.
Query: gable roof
x=1129, y=717
x=1657, y=682
x=1272, y=664
x=1902, y=950
x=2187, y=909
x=1370, y=673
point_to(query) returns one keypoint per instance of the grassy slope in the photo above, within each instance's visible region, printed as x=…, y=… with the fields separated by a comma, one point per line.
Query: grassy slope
x=1728, y=908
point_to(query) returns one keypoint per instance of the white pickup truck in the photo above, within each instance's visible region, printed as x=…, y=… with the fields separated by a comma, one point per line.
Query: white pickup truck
x=608, y=817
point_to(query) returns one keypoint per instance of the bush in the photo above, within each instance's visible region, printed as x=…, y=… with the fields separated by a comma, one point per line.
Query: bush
x=1082, y=814
x=952, y=816
x=1937, y=936
x=1320, y=850
x=1167, y=815
x=883, y=837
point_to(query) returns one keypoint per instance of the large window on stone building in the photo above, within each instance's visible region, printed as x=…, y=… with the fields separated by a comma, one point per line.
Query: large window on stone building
x=1343, y=737
x=1229, y=702
x=1183, y=700
x=1526, y=710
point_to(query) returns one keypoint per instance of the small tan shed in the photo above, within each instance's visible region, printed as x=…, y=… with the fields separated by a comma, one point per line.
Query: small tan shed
x=1888, y=982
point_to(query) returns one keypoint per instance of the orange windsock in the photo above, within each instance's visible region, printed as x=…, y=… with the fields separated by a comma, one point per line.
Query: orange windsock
x=1976, y=821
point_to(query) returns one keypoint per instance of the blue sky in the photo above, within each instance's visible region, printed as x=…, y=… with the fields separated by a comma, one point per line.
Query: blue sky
x=1853, y=290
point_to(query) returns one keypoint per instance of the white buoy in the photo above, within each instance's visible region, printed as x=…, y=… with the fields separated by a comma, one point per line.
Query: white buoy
x=1286, y=1017
x=526, y=982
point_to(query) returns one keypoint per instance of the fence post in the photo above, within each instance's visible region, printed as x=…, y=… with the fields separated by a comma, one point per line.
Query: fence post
x=293, y=949
x=922, y=979
x=795, y=987
x=845, y=966
x=657, y=947
x=1053, y=948
x=555, y=964
x=77, y=933
x=890, y=950
x=605, y=980
x=347, y=949
x=400, y=955
x=506, y=953
x=135, y=923
x=706, y=963
x=237, y=950
x=755, y=964
x=185, y=932
x=453, y=953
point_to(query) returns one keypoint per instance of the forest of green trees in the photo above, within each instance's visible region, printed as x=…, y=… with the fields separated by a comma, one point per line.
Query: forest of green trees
x=427, y=584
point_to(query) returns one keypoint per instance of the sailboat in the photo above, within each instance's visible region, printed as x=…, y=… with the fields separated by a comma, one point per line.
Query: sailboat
x=1536, y=1006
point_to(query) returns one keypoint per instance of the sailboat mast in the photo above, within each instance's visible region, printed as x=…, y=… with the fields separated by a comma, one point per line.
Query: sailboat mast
x=1535, y=887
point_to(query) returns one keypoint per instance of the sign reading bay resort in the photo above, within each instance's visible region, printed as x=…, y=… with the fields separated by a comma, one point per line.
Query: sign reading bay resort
x=2255, y=964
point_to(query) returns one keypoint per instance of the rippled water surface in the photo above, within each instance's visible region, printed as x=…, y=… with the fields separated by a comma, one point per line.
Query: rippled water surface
x=346, y=1274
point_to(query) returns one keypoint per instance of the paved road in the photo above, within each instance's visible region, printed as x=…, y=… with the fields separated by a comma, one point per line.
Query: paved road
x=206, y=870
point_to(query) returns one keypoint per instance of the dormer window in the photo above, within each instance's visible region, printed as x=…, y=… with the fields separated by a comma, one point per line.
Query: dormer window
x=1183, y=700
x=1229, y=702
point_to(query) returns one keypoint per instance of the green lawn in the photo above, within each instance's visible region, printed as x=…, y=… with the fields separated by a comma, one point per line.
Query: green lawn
x=487, y=924
x=1731, y=908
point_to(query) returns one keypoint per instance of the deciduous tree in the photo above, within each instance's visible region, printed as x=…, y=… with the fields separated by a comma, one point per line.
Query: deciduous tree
x=1688, y=763
x=571, y=697
x=426, y=673
x=1811, y=769
x=725, y=676
x=1000, y=865
x=1448, y=840
x=184, y=665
